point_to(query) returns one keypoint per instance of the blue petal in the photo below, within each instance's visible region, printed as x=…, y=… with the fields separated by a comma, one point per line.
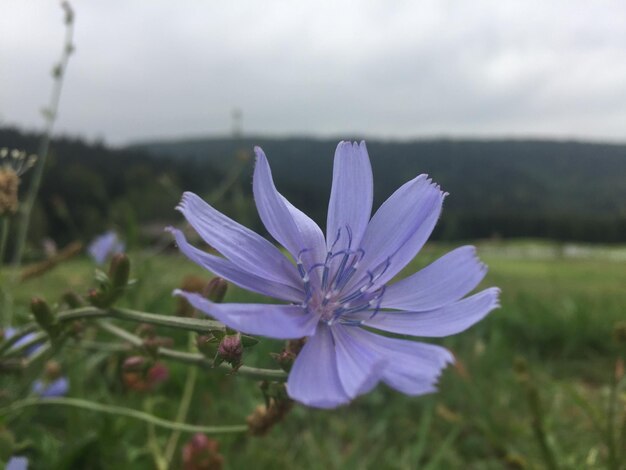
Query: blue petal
x=447, y=280
x=412, y=367
x=242, y=246
x=288, y=225
x=358, y=366
x=400, y=228
x=444, y=321
x=273, y=321
x=351, y=195
x=224, y=268
x=56, y=388
x=314, y=379
x=17, y=463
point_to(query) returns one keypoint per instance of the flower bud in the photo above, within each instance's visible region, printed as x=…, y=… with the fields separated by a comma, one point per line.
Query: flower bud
x=146, y=379
x=9, y=182
x=216, y=289
x=230, y=350
x=43, y=315
x=119, y=270
x=202, y=453
x=285, y=359
x=52, y=371
x=189, y=284
x=263, y=418
x=73, y=300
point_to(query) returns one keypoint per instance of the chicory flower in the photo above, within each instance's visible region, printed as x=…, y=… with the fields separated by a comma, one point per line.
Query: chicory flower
x=105, y=245
x=338, y=286
x=50, y=389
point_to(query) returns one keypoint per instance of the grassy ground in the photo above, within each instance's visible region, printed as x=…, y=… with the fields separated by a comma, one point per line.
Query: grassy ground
x=558, y=311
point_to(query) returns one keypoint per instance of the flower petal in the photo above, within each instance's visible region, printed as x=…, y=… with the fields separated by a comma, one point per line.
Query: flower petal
x=224, y=268
x=242, y=246
x=351, y=195
x=447, y=280
x=412, y=367
x=399, y=229
x=444, y=321
x=289, y=226
x=314, y=379
x=274, y=321
x=359, y=368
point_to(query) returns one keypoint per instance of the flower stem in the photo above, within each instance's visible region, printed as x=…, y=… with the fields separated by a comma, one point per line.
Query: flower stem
x=4, y=237
x=194, y=358
x=121, y=411
x=50, y=115
x=183, y=408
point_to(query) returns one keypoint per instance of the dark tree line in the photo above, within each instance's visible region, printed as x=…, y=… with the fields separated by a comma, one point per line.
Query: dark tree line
x=556, y=190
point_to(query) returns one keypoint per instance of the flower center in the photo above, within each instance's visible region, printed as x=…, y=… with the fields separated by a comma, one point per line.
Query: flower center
x=332, y=297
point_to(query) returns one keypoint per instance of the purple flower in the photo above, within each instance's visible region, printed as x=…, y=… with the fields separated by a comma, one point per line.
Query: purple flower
x=105, y=245
x=9, y=332
x=50, y=389
x=17, y=463
x=338, y=287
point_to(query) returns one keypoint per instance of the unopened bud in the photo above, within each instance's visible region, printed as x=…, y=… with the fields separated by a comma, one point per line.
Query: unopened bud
x=119, y=270
x=43, y=315
x=202, y=453
x=264, y=417
x=230, y=350
x=9, y=182
x=189, y=284
x=216, y=289
x=285, y=359
x=52, y=371
x=73, y=300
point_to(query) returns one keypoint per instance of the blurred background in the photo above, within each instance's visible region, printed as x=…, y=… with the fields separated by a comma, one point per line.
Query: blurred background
x=517, y=109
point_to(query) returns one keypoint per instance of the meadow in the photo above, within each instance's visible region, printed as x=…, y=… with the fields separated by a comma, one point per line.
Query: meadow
x=530, y=389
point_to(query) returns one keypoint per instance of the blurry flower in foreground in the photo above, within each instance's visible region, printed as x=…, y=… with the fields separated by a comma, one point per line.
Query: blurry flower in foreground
x=202, y=453
x=17, y=463
x=53, y=384
x=13, y=164
x=9, y=332
x=145, y=377
x=105, y=245
x=339, y=284
x=56, y=388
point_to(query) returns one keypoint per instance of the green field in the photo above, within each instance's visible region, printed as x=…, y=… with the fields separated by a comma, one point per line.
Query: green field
x=559, y=307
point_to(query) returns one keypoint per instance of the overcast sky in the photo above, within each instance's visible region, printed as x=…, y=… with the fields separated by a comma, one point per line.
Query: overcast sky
x=175, y=68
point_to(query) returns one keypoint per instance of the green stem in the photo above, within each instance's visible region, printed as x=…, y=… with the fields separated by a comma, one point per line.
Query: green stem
x=44, y=145
x=153, y=443
x=183, y=408
x=4, y=237
x=86, y=313
x=194, y=358
x=190, y=324
x=181, y=323
x=121, y=411
x=611, y=416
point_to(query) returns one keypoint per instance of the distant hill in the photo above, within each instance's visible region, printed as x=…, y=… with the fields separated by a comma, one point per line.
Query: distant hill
x=563, y=190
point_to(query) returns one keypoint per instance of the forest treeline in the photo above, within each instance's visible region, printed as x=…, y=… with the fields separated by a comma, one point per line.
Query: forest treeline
x=559, y=190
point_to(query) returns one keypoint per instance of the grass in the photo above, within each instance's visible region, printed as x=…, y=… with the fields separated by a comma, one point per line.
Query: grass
x=557, y=313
